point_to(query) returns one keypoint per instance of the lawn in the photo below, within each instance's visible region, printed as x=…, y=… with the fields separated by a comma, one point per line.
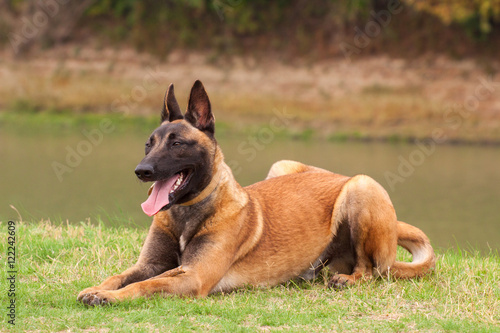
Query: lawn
x=55, y=261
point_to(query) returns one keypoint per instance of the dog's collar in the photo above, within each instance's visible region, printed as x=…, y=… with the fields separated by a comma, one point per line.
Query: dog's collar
x=207, y=191
x=203, y=194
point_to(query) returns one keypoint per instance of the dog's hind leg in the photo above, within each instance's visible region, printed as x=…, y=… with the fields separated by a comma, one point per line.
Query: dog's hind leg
x=366, y=208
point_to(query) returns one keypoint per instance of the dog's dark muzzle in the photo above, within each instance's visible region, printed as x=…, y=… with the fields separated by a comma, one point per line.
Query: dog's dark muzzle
x=145, y=172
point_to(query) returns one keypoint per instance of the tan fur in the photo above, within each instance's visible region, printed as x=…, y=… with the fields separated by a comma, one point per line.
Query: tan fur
x=291, y=224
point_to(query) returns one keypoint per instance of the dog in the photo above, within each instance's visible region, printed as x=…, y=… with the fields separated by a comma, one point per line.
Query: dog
x=211, y=235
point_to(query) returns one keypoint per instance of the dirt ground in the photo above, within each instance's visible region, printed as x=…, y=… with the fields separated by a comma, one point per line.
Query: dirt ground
x=376, y=97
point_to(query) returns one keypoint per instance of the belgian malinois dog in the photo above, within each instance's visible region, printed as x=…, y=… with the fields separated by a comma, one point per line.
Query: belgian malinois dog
x=210, y=235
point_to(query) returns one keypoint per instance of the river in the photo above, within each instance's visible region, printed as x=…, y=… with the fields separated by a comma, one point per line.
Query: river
x=450, y=192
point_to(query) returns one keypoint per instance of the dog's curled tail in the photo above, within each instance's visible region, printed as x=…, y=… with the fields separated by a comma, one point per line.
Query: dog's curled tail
x=416, y=242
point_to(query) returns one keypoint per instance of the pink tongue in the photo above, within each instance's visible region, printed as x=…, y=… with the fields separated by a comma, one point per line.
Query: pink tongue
x=159, y=196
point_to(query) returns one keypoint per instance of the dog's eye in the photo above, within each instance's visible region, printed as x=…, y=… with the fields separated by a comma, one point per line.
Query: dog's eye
x=176, y=143
x=150, y=143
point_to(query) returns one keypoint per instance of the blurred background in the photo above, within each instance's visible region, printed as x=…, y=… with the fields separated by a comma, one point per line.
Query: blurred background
x=406, y=91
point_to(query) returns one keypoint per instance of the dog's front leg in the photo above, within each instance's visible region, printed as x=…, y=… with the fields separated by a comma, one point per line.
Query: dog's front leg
x=183, y=282
x=203, y=266
x=160, y=253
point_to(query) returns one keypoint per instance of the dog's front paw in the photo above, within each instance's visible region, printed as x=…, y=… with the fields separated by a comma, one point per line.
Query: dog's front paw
x=93, y=297
x=91, y=290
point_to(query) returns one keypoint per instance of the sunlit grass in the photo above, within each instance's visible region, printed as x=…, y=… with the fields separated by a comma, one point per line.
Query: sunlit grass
x=55, y=262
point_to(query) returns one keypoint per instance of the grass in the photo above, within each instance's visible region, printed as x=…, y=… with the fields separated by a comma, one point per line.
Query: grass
x=29, y=122
x=55, y=262
x=59, y=123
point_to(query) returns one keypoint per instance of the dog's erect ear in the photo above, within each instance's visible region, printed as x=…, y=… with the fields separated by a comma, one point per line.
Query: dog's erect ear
x=171, y=110
x=199, y=112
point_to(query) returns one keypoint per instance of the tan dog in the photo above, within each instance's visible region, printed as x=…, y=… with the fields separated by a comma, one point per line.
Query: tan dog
x=209, y=234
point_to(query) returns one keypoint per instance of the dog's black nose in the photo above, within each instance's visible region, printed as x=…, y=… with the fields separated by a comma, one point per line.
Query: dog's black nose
x=144, y=171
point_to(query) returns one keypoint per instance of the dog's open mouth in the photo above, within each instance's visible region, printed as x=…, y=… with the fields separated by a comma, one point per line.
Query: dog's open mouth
x=164, y=192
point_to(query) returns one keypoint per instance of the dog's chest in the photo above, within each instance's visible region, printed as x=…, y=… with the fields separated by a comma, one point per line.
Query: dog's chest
x=188, y=222
x=186, y=236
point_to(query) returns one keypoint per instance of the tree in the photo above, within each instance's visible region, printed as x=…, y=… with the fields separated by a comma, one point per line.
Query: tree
x=33, y=22
x=477, y=14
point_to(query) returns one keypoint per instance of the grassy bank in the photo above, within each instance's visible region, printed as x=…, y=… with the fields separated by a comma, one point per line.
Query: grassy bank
x=376, y=98
x=64, y=122
x=55, y=262
x=60, y=123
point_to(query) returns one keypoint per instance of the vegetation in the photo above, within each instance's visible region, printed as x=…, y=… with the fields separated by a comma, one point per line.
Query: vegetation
x=55, y=262
x=476, y=15
x=258, y=56
x=286, y=28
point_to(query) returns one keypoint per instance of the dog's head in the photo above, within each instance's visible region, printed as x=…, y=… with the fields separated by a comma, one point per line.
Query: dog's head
x=180, y=153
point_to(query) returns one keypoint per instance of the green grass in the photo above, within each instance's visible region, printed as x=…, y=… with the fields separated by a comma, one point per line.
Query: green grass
x=55, y=262
x=31, y=122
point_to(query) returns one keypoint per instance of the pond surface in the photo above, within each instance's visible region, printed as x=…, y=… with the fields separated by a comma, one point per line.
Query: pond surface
x=451, y=192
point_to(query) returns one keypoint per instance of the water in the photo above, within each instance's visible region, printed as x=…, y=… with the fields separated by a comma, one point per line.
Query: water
x=451, y=192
